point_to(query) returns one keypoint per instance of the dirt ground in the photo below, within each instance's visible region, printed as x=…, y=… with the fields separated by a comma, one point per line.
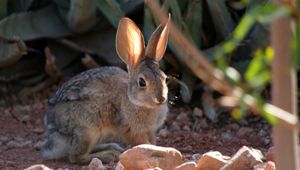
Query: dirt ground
x=21, y=127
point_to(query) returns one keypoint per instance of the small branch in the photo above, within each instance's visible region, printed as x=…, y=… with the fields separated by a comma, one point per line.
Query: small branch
x=195, y=60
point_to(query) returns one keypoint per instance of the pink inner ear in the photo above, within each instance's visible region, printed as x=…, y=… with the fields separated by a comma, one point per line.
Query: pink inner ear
x=135, y=44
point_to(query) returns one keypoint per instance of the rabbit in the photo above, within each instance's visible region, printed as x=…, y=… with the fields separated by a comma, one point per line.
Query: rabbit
x=109, y=101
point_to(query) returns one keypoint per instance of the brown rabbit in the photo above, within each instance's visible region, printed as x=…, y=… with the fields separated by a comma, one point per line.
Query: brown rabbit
x=109, y=101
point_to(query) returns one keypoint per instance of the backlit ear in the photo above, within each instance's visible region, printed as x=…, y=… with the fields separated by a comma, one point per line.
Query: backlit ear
x=129, y=42
x=158, y=42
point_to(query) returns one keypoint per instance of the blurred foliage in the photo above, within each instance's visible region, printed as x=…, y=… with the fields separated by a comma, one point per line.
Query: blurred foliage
x=232, y=34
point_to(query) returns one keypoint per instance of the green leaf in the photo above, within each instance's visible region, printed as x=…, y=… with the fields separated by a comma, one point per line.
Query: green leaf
x=32, y=25
x=11, y=51
x=221, y=17
x=111, y=10
x=296, y=43
x=258, y=74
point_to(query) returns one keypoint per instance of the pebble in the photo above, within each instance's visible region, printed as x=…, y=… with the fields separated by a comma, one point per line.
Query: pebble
x=38, y=130
x=25, y=119
x=186, y=128
x=96, y=164
x=164, y=133
x=244, y=132
x=196, y=156
x=267, y=141
x=182, y=119
x=175, y=126
x=227, y=136
x=197, y=112
x=203, y=124
x=233, y=127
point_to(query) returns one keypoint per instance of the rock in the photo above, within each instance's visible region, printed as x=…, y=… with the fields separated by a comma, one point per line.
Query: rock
x=182, y=119
x=227, y=136
x=187, y=166
x=233, y=127
x=265, y=166
x=203, y=124
x=96, y=164
x=186, y=128
x=175, y=126
x=244, y=132
x=25, y=119
x=197, y=112
x=212, y=160
x=147, y=156
x=38, y=130
x=245, y=158
x=38, y=167
x=163, y=133
x=196, y=156
x=119, y=166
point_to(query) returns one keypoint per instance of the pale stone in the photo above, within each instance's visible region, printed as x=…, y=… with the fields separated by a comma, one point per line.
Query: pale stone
x=148, y=156
x=187, y=166
x=245, y=158
x=38, y=167
x=212, y=160
x=96, y=164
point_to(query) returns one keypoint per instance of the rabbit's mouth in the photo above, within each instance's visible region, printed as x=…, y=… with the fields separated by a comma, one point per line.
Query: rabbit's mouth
x=160, y=100
x=154, y=103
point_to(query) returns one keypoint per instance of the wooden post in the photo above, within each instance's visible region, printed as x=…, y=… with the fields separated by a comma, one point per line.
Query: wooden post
x=284, y=92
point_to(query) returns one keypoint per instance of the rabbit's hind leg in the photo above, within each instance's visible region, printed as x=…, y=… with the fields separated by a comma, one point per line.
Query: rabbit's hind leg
x=107, y=146
x=83, y=140
x=82, y=147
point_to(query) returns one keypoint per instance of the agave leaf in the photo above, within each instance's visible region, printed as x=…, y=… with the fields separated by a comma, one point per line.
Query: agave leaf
x=102, y=43
x=16, y=6
x=194, y=21
x=222, y=19
x=130, y=6
x=64, y=56
x=3, y=8
x=111, y=10
x=176, y=12
x=11, y=52
x=32, y=25
x=81, y=16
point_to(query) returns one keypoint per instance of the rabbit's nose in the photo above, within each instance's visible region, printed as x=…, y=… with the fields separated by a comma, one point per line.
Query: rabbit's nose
x=161, y=100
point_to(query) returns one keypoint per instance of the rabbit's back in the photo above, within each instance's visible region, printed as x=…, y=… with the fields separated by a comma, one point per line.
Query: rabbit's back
x=90, y=99
x=99, y=82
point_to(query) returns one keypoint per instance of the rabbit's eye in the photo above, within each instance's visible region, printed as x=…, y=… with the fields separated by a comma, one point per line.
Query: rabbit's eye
x=142, y=82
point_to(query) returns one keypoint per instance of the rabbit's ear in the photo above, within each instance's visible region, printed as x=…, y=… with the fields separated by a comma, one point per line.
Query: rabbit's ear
x=130, y=43
x=158, y=42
